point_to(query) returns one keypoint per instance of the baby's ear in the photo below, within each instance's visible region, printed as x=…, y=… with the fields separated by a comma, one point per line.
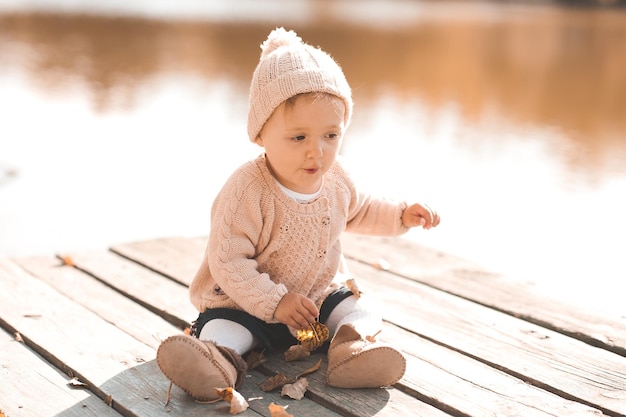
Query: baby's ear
x=258, y=140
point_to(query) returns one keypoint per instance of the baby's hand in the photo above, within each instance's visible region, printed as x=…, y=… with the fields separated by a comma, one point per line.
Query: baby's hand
x=420, y=215
x=296, y=311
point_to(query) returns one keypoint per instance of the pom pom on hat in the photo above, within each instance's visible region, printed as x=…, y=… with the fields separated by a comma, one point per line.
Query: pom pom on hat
x=288, y=67
x=277, y=38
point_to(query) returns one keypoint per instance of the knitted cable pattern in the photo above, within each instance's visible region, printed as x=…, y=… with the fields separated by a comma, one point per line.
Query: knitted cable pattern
x=263, y=244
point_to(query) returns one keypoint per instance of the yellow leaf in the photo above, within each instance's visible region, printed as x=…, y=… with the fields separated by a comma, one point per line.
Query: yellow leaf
x=225, y=394
x=278, y=411
x=238, y=404
x=67, y=260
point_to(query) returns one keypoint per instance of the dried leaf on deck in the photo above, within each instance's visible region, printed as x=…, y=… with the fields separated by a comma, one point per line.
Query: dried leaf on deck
x=295, y=390
x=382, y=264
x=313, y=337
x=273, y=382
x=278, y=411
x=372, y=338
x=310, y=370
x=76, y=383
x=168, y=394
x=67, y=260
x=255, y=359
x=238, y=404
x=225, y=394
x=18, y=337
x=296, y=352
x=354, y=287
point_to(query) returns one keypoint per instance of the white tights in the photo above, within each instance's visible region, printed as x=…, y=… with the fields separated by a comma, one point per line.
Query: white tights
x=230, y=334
x=357, y=312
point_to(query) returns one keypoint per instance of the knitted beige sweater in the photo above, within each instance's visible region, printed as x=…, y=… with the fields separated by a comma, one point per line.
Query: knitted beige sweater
x=263, y=244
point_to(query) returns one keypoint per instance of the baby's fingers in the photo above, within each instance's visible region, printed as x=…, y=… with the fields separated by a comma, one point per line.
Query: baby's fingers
x=434, y=218
x=429, y=217
x=310, y=308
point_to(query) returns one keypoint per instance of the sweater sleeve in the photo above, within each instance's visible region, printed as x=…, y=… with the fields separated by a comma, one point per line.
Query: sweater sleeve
x=370, y=215
x=236, y=226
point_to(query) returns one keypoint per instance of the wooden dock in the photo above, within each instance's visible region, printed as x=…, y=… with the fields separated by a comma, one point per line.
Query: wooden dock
x=477, y=344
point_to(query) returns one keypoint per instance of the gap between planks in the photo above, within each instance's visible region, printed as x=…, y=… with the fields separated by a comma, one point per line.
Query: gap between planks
x=142, y=251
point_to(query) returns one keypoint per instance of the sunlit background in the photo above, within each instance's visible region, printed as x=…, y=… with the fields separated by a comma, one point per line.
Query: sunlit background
x=120, y=120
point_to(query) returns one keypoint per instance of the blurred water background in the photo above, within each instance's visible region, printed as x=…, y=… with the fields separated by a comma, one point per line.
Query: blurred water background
x=119, y=121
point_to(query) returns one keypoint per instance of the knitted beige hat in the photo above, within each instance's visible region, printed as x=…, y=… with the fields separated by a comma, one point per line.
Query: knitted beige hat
x=289, y=67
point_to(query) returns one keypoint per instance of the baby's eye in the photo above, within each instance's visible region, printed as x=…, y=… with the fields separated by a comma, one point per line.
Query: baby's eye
x=332, y=135
x=298, y=138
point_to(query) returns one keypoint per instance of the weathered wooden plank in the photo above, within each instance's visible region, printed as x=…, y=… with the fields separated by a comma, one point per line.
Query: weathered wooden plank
x=443, y=377
x=114, y=364
x=105, y=265
x=107, y=303
x=546, y=358
x=454, y=275
x=470, y=387
x=490, y=346
x=257, y=399
x=174, y=257
x=304, y=407
x=32, y=388
x=404, y=256
x=73, y=283
x=146, y=287
x=497, y=393
x=381, y=402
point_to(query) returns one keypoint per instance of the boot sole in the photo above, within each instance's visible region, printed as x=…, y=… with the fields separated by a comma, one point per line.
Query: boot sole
x=192, y=365
x=374, y=368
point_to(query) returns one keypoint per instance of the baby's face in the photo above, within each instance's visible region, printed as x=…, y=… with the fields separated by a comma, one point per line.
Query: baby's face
x=302, y=139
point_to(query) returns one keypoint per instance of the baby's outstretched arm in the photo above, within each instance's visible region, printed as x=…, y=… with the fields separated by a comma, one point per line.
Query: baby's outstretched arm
x=420, y=215
x=296, y=311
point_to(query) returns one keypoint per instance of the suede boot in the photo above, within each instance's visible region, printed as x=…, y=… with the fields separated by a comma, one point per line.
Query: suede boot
x=362, y=362
x=198, y=367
